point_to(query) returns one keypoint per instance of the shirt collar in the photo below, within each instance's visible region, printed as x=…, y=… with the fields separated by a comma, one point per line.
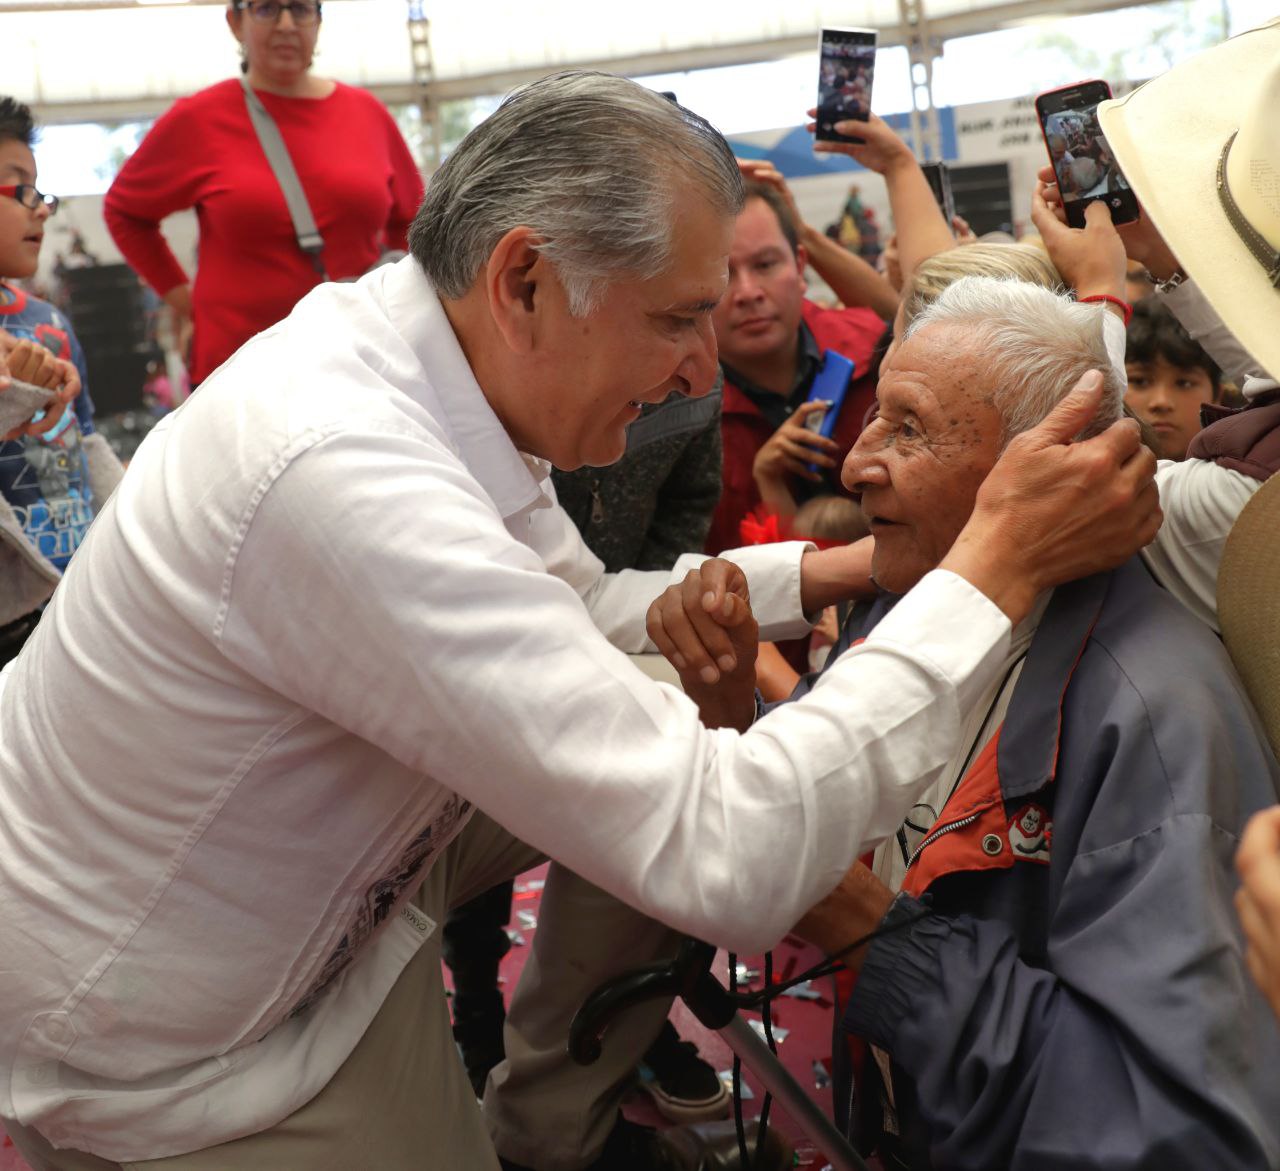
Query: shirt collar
x=809, y=358
x=513, y=480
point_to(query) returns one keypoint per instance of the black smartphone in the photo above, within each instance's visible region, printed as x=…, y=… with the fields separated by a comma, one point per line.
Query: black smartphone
x=939, y=177
x=1086, y=169
x=846, y=68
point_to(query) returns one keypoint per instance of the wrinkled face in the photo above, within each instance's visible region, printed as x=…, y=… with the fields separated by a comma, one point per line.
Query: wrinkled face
x=760, y=313
x=279, y=50
x=21, y=229
x=918, y=465
x=647, y=339
x=1168, y=398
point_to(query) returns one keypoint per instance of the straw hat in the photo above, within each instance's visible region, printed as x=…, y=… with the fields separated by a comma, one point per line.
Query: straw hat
x=1200, y=145
x=1249, y=602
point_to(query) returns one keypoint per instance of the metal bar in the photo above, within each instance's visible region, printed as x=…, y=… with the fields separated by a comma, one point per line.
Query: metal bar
x=764, y=1063
x=447, y=88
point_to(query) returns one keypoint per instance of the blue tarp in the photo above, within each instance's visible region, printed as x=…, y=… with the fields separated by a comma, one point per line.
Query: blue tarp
x=793, y=153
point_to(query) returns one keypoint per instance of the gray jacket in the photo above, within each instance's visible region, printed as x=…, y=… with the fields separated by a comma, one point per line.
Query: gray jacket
x=656, y=502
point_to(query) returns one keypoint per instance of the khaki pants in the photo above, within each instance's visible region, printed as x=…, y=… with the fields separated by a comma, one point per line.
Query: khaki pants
x=402, y=1102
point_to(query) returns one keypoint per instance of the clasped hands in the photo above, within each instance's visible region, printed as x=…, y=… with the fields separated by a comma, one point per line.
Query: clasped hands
x=707, y=631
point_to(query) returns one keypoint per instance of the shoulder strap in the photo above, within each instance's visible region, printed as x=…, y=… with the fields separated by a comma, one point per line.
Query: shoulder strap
x=304, y=224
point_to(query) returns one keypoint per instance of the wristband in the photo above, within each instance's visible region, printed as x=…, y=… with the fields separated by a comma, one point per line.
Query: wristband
x=1107, y=298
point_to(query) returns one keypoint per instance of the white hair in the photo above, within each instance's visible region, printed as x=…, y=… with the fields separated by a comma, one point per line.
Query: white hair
x=1036, y=344
x=592, y=164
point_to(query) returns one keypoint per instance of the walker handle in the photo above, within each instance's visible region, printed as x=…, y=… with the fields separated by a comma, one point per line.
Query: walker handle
x=687, y=976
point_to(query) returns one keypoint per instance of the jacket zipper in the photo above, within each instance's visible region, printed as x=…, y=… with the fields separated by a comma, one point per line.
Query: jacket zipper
x=941, y=831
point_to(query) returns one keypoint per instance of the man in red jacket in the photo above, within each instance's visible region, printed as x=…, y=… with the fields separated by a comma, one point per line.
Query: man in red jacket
x=772, y=340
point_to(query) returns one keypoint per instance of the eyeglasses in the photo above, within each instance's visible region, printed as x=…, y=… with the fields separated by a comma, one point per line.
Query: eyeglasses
x=304, y=12
x=28, y=196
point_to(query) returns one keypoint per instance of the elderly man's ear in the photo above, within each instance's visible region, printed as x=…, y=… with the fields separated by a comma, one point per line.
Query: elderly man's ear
x=515, y=278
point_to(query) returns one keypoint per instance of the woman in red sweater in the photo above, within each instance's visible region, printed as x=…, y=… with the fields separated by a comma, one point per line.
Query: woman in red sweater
x=360, y=180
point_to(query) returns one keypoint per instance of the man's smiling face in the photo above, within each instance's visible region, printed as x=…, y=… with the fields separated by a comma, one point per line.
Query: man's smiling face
x=918, y=465
x=646, y=340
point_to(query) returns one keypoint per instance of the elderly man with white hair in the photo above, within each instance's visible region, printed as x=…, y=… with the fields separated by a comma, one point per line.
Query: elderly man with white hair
x=334, y=656
x=1061, y=982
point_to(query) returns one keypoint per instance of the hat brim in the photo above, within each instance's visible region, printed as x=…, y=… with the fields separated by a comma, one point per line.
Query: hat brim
x=1167, y=136
x=1249, y=602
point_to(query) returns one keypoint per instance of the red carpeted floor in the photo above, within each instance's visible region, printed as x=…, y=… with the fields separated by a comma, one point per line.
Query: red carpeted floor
x=802, y=1027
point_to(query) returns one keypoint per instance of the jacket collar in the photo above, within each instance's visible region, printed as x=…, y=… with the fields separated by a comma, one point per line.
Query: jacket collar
x=513, y=480
x=1028, y=756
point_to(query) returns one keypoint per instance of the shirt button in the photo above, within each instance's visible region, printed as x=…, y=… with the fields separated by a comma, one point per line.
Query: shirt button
x=992, y=844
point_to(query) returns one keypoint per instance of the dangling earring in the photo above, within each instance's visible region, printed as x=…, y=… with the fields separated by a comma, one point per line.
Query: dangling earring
x=244, y=59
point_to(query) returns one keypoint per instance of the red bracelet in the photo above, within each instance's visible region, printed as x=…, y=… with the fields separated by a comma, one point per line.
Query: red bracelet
x=1107, y=298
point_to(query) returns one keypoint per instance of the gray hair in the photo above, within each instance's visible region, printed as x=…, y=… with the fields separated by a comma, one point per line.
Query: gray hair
x=1035, y=343
x=592, y=164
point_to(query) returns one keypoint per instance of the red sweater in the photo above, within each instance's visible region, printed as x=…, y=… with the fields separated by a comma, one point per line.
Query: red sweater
x=361, y=182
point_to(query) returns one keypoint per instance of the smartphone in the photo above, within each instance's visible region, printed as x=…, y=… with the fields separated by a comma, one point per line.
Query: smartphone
x=1082, y=161
x=939, y=177
x=846, y=67
x=830, y=385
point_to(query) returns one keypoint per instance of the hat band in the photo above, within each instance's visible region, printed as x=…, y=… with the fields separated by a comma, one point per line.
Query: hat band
x=1267, y=256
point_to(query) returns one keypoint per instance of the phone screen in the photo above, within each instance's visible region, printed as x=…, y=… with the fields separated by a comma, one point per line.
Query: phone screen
x=1082, y=161
x=846, y=68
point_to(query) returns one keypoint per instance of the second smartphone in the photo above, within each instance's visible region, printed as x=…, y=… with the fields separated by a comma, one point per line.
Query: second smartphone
x=846, y=68
x=1082, y=161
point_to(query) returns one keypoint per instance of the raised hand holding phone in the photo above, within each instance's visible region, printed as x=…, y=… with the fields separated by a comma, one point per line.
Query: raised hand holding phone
x=1091, y=259
x=1142, y=239
x=846, y=69
x=1083, y=164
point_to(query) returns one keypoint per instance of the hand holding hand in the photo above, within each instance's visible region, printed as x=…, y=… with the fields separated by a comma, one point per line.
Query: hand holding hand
x=1053, y=510
x=705, y=628
x=793, y=447
x=1258, y=901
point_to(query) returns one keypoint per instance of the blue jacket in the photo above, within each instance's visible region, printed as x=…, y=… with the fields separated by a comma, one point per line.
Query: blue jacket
x=1075, y=994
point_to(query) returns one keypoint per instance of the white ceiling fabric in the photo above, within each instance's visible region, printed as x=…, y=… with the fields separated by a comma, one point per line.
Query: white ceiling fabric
x=60, y=52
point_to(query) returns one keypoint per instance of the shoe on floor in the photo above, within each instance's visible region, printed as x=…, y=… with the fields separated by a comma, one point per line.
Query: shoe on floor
x=713, y=1146
x=709, y=1146
x=631, y=1147
x=683, y=1086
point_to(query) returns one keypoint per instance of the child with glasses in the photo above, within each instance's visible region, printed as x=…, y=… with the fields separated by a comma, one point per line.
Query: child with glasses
x=52, y=480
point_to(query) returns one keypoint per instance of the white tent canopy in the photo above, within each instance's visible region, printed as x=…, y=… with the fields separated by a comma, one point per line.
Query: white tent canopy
x=102, y=59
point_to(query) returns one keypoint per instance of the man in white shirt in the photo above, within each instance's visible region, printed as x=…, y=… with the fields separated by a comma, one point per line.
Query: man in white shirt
x=373, y=650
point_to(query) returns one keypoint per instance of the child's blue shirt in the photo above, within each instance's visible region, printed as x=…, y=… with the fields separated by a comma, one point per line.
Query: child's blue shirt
x=45, y=478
